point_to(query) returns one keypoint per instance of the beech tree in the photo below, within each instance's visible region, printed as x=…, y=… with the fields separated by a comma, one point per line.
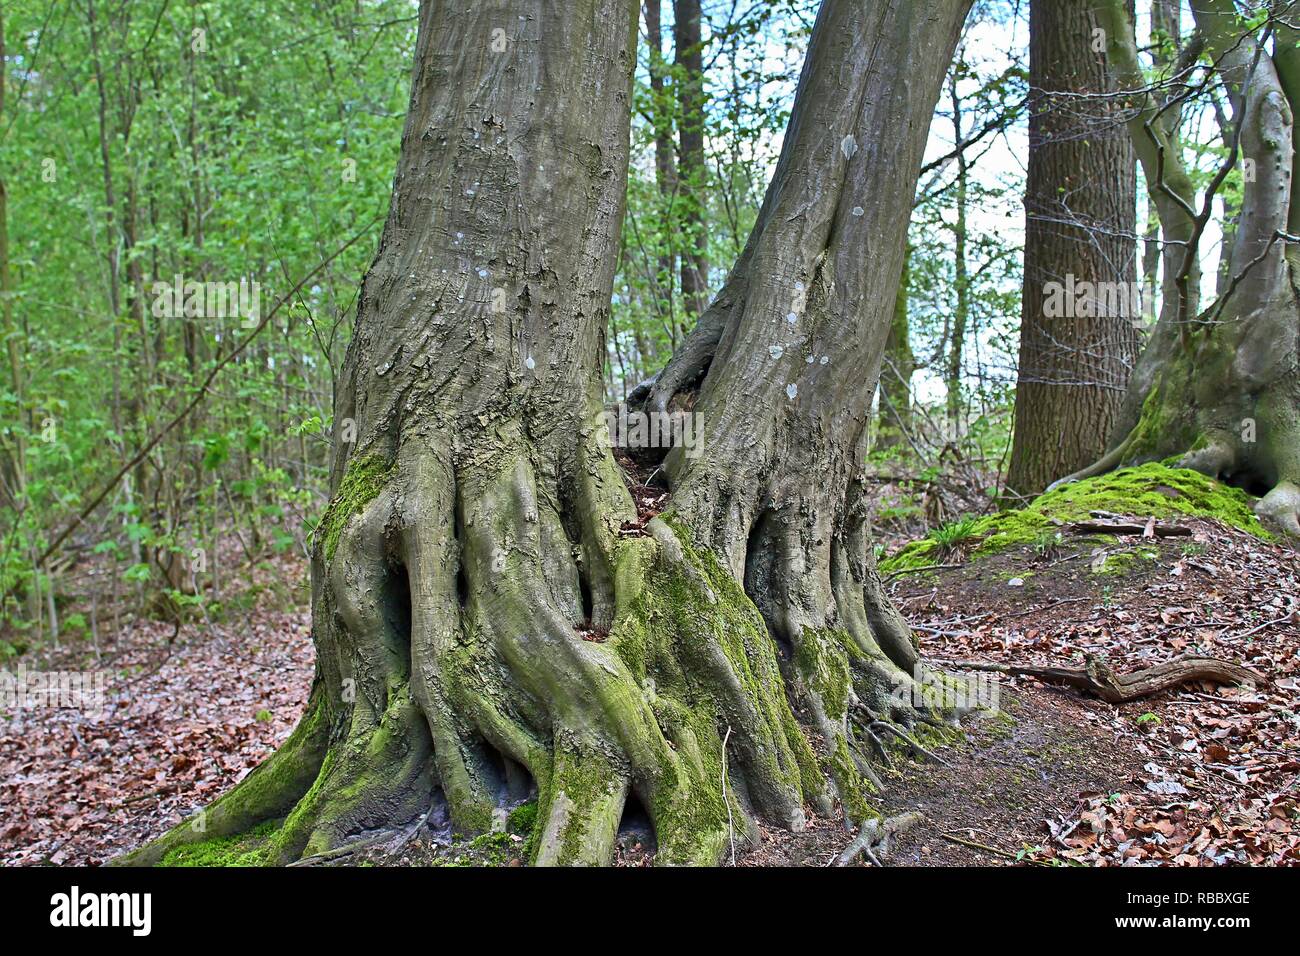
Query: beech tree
x=489, y=617
x=1220, y=387
x=1080, y=217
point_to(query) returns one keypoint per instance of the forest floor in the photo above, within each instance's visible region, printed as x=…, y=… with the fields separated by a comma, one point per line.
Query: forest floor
x=1196, y=775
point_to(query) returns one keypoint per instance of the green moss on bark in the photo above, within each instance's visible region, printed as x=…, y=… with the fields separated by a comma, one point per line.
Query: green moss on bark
x=364, y=479
x=676, y=614
x=850, y=784
x=822, y=659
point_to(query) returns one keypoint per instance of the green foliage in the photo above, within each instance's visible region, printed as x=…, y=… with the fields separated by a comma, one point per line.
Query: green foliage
x=522, y=819
x=250, y=149
x=955, y=533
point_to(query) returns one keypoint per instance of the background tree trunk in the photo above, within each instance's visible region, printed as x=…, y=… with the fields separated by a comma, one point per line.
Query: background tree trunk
x=689, y=42
x=897, y=368
x=665, y=167
x=1080, y=219
x=1166, y=31
x=957, y=327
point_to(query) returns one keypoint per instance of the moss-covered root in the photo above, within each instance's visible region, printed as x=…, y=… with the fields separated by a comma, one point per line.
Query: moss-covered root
x=1151, y=490
x=1201, y=416
x=700, y=654
x=269, y=792
x=682, y=704
x=586, y=796
x=453, y=626
x=377, y=779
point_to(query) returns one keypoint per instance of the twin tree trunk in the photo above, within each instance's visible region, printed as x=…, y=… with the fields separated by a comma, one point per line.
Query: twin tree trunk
x=1075, y=362
x=476, y=539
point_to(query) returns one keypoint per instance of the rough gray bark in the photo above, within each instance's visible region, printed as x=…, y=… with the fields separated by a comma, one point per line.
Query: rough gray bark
x=487, y=619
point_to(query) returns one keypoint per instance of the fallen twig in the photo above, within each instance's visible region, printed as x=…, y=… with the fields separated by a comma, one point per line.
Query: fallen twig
x=927, y=567
x=983, y=847
x=1146, y=530
x=873, y=839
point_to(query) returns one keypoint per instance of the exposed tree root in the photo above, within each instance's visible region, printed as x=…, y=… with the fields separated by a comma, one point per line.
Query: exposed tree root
x=453, y=658
x=473, y=539
x=1099, y=680
x=269, y=792
x=873, y=839
x=453, y=668
x=916, y=747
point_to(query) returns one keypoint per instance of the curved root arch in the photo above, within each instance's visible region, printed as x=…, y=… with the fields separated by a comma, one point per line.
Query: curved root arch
x=457, y=668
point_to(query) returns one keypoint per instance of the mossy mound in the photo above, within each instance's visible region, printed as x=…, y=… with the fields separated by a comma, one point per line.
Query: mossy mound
x=247, y=849
x=1149, y=491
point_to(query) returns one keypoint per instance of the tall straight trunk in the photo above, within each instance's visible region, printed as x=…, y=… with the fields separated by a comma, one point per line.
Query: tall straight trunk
x=665, y=280
x=689, y=43
x=491, y=618
x=1166, y=32
x=16, y=480
x=112, y=253
x=961, y=267
x=1078, y=339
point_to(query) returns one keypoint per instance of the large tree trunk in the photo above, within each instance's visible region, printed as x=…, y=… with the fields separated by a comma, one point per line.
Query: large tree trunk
x=1080, y=217
x=787, y=358
x=488, y=618
x=1221, y=389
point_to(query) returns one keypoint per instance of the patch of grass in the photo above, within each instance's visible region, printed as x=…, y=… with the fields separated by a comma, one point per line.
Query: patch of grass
x=1046, y=543
x=955, y=533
